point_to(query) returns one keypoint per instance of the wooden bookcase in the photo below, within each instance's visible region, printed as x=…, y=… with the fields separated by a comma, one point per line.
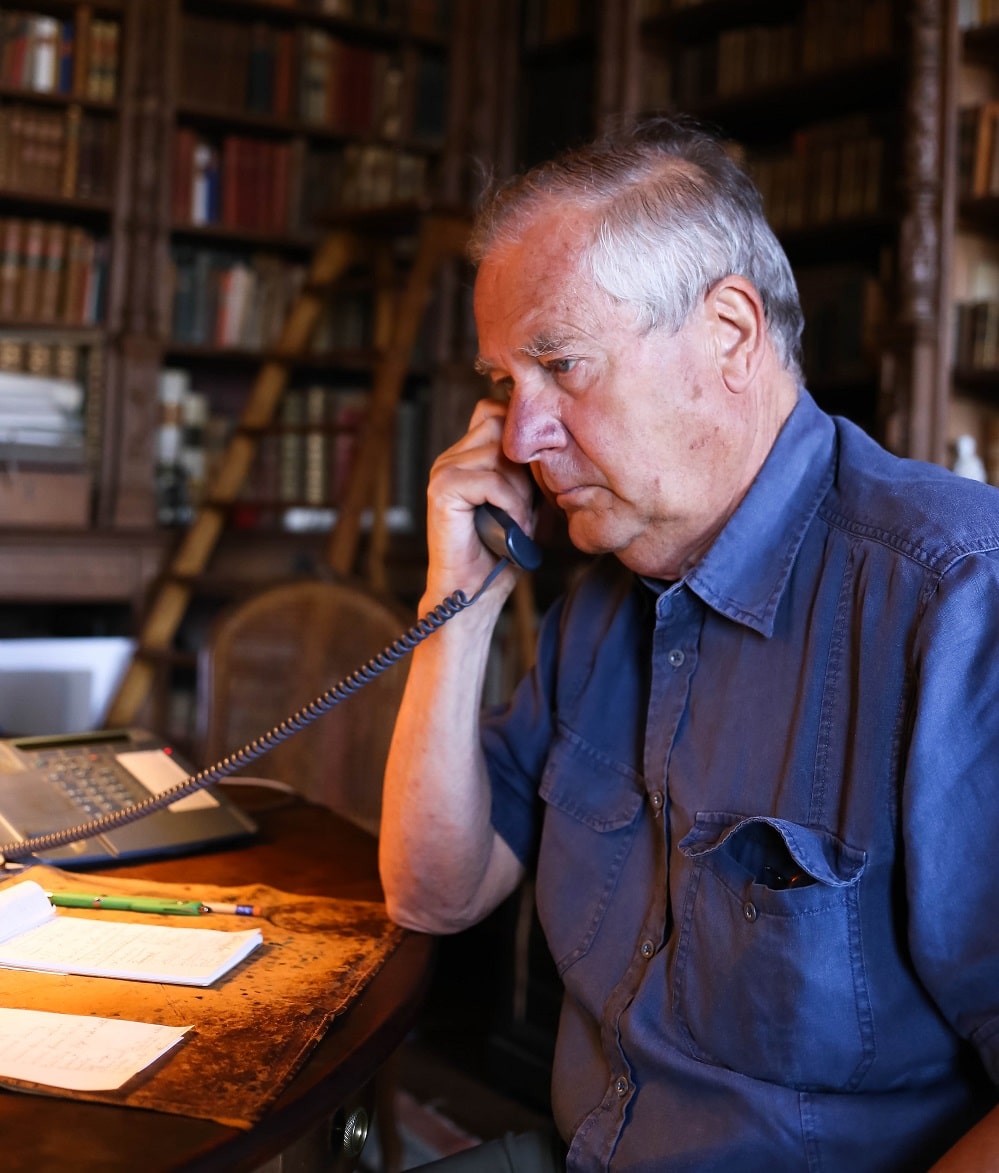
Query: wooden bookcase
x=280, y=116
x=971, y=226
x=274, y=121
x=243, y=87
x=66, y=69
x=818, y=97
x=842, y=108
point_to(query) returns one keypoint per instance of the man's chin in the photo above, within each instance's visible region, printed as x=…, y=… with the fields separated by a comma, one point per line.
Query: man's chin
x=590, y=534
x=595, y=535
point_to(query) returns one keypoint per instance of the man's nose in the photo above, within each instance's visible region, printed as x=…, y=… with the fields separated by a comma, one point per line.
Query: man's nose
x=532, y=426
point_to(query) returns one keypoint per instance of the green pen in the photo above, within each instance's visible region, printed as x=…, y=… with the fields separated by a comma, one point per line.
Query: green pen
x=128, y=904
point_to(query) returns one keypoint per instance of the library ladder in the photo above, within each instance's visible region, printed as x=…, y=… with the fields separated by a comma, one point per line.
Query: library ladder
x=440, y=237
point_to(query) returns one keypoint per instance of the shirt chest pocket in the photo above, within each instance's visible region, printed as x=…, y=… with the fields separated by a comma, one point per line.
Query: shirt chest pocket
x=770, y=979
x=592, y=807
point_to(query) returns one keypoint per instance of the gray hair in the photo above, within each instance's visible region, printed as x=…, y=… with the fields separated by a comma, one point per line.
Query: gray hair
x=672, y=214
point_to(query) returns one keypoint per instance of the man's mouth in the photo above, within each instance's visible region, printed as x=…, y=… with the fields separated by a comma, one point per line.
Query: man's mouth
x=573, y=497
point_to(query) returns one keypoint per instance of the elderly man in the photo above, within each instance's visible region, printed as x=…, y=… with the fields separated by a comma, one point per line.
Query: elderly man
x=756, y=766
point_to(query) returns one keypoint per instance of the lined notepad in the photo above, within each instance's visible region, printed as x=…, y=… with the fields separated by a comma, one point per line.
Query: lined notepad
x=34, y=936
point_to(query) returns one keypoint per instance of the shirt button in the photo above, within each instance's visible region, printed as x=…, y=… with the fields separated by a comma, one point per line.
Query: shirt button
x=621, y=1086
x=656, y=799
x=648, y=950
x=675, y=658
x=749, y=911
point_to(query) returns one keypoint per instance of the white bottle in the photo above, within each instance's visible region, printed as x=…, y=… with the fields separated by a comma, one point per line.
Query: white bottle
x=968, y=463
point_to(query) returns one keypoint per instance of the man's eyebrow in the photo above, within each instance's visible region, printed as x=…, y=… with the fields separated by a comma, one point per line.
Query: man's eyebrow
x=544, y=344
x=538, y=347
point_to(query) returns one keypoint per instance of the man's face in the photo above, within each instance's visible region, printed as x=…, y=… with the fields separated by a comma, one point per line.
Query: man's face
x=633, y=434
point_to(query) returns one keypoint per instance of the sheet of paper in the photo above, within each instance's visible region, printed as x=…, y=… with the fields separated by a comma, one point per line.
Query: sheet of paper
x=79, y=1052
x=139, y=952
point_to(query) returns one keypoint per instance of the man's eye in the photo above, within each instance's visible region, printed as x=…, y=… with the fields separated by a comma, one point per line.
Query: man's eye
x=501, y=388
x=560, y=366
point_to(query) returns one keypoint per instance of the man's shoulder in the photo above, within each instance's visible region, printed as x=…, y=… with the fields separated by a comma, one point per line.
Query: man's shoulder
x=922, y=510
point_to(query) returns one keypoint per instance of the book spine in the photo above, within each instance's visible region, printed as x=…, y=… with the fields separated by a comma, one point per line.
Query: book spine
x=33, y=243
x=83, y=19
x=291, y=467
x=10, y=265
x=317, y=444
x=182, y=178
x=44, y=37
x=71, y=152
x=53, y=271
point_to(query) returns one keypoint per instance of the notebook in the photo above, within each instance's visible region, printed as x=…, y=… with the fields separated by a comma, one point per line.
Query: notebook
x=51, y=783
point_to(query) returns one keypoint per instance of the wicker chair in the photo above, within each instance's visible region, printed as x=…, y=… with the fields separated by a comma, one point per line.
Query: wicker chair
x=270, y=655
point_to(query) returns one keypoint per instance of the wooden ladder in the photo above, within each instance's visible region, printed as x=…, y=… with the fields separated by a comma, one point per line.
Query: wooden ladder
x=440, y=236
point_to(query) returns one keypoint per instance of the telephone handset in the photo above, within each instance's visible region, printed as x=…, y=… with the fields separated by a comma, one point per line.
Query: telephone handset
x=505, y=538
x=499, y=532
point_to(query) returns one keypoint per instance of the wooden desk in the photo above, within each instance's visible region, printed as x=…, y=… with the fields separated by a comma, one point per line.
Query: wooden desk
x=300, y=848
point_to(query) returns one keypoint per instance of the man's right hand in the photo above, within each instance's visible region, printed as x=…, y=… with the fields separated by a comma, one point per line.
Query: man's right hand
x=472, y=471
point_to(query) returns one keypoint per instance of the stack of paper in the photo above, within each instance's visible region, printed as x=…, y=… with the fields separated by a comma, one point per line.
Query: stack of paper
x=40, y=418
x=80, y=1052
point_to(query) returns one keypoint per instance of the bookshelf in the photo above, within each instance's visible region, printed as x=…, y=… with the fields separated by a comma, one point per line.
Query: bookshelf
x=558, y=52
x=273, y=120
x=281, y=115
x=60, y=72
x=838, y=108
x=814, y=93
x=226, y=151
x=972, y=363
x=65, y=73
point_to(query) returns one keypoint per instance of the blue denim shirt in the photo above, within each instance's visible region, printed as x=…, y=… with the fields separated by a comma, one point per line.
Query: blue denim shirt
x=764, y=806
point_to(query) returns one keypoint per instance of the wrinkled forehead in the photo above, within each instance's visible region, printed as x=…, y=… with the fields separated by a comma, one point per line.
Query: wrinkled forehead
x=537, y=286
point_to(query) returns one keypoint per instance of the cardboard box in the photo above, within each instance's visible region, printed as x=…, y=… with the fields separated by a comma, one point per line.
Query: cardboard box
x=42, y=497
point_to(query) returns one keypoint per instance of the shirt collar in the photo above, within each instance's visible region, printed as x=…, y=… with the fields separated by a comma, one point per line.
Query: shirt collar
x=744, y=573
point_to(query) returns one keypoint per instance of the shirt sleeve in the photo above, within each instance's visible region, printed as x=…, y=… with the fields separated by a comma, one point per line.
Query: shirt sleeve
x=951, y=802
x=516, y=739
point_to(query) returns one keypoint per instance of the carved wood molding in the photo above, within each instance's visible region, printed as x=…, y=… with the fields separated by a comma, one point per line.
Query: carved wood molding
x=922, y=173
x=146, y=138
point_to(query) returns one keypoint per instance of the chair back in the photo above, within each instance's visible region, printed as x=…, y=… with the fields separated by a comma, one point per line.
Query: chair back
x=272, y=654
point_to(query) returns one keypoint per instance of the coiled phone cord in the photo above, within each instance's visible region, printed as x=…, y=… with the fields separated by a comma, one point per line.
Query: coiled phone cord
x=406, y=643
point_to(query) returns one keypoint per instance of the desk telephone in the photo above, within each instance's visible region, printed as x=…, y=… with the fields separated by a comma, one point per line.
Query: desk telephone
x=118, y=777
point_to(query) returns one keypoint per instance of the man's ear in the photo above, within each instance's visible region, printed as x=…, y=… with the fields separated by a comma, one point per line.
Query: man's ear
x=736, y=311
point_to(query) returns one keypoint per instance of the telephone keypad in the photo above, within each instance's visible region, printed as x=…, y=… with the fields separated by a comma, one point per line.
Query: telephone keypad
x=93, y=784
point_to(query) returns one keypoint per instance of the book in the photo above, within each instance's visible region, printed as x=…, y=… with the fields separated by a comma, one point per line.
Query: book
x=81, y=49
x=291, y=459
x=32, y=259
x=53, y=270
x=315, y=472
x=45, y=35
x=182, y=175
x=173, y=386
x=205, y=184
x=34, y=936
x=10, y=264
x=102, y=65
x=80, y=258
x=71, y=151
